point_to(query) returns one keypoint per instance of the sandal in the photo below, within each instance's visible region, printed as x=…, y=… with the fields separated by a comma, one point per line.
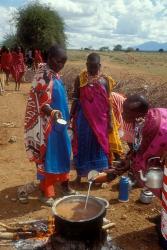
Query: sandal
x=30, y=187
x=69, y=191
x=47, y=201
x=22, y=196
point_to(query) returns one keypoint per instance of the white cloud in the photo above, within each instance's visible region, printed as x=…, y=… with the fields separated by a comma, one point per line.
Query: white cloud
x=106, y=22
x=6, y=24
x=65, y=7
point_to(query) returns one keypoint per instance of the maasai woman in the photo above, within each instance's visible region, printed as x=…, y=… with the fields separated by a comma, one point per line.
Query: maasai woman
x=48, y=148
x=150, y=140
x=17, y=66
x=6, y=59
x=37, y=58
x=95, y=130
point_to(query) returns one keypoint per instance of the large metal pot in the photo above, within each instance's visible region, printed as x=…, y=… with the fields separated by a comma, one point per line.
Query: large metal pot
x=80, y=229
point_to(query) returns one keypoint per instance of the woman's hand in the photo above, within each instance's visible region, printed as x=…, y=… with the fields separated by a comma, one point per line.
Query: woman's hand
x=122, y=167
x=56, y=114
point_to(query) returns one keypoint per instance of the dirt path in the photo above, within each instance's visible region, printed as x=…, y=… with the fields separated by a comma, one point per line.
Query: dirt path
x=133, y=229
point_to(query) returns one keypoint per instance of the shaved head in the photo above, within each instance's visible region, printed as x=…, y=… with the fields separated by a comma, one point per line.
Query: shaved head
x=137, y=103
x=57, y=57
x=94, y=58
x=93, y=64
x=57, y=51
x=134, y=106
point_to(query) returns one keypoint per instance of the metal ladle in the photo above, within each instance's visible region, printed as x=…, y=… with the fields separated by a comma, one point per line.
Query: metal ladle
x=91, y=177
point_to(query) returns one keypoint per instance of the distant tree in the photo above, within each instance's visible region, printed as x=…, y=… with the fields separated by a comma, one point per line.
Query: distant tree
x=117, y=47
x=104, y=48
x=137, y=49
x=90, y=47
x=161, y=50
x=39, y=26
x=129, y=49
x=10, y=41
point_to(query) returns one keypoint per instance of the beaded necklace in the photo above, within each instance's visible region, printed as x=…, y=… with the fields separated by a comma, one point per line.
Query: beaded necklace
x=139, y=124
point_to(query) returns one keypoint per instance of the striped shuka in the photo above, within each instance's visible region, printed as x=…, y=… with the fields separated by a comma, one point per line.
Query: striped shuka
x=164, y=205
x=126, y=130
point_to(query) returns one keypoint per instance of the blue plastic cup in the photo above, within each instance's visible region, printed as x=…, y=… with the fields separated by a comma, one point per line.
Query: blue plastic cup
x=60, y=125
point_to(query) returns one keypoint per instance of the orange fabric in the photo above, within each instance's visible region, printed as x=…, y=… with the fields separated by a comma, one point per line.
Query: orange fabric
x=47, y=185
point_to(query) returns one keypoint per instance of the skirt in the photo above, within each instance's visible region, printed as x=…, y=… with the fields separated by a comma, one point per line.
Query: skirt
x=90, y=154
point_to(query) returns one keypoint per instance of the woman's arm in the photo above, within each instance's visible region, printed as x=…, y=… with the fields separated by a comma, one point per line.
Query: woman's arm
x=46, y=109
x=44, y=99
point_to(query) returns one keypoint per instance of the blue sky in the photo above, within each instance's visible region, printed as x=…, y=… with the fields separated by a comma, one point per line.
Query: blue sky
x=8, y=3
x=100, y=23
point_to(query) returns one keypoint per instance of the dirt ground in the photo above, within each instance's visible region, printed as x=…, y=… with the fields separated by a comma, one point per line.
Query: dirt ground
x=133, y=231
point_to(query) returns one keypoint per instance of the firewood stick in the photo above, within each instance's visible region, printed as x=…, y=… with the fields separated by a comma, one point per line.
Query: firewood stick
x=28, y=222
x=5, y=226
x=26, y=234
x=109, y=225
x=6, y=244
x=11, y=236
x=16, y=229
x=10, y=229
x=8, y=236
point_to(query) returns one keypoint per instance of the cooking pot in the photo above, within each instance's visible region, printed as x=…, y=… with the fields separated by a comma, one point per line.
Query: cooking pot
x=79, y=229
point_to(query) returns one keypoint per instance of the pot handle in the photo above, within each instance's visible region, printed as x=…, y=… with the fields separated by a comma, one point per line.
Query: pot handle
x=56, y=200
x=153, y=158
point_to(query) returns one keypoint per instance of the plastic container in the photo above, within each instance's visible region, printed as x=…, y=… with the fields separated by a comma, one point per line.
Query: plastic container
x=123, y=189
x=60, y=125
